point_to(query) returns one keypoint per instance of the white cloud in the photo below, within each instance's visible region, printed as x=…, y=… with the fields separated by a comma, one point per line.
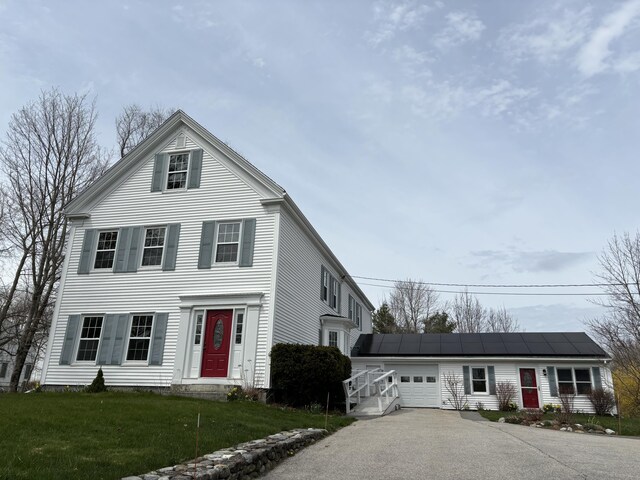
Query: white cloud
x=547, y=39
x=628, y=64
x=393, y=17
x=258, y=62
x=461, y=27
x=592, y=57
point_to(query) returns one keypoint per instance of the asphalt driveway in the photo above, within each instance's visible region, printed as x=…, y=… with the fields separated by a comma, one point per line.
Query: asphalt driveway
x=436, y=444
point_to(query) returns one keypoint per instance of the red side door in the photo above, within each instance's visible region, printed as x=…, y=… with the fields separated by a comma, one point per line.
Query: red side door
x=529, y=386
x=217, y=340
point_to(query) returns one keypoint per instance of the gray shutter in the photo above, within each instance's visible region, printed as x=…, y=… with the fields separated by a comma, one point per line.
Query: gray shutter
x=597, y=379
x=157, y=345
x=122, y=252
x=173, y=235
x=247, y=242
x=553, y=386
x=84, y=266
x=159, y=172
x=330, y=299
x=70, y=339
x=320, y=337
x=339, y=306
x=195, y=168
x=132, y=258
x=492, y=379
x=322, y=270
x=107, y=339
x=118, y=341
x=206, y=244
x=467, y=380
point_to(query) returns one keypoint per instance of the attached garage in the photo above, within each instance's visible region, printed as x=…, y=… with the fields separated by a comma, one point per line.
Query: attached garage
x=418, y=385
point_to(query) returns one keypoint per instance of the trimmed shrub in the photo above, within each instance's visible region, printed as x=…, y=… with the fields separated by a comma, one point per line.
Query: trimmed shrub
x=304, y=374
x=97, y=386
x=602, y=401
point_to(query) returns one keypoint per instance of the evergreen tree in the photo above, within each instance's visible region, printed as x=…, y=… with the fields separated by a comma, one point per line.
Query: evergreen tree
x=439, y=323
x=383, y=321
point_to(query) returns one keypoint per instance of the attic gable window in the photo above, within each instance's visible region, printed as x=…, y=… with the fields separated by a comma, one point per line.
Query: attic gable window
x=178, y=170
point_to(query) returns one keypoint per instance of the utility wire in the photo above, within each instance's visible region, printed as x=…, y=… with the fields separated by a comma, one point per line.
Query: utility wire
x=489, y=285
x=570, y=294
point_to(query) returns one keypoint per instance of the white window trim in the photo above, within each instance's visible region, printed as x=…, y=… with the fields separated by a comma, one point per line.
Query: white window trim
x=166, y=177
x=95, y=250
x=335, y=297
x=486, y=380
x=125, y=353
x=215, y=243
x=573, y=378
x=80, y=338
x=142, y=248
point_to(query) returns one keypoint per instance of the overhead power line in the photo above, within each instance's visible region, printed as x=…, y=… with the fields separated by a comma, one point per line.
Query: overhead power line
x=568, y=294
x=496, y=285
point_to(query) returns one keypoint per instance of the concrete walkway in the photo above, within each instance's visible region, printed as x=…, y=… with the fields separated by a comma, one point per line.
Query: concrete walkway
x=439, y=445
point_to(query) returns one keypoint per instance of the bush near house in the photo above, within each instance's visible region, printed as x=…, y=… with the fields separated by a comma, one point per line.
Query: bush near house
x=302, y=375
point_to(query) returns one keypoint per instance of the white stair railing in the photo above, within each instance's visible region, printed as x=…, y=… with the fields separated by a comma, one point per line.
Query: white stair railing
x=371, y=383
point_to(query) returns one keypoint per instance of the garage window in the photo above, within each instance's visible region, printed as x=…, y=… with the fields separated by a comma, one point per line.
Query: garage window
x=417, y=379
x=405, y=379
x=479, y=379
x=431, y=379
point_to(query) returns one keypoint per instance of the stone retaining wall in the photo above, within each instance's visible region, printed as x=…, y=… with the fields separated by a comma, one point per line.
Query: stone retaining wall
x=242, y=462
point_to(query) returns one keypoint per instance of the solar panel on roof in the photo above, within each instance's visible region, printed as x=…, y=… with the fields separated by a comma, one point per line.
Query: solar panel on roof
x=533, y=337
x=510, y=337
x=469, y=337
x=517, y=348
x=430, y=348
x=450, y=338
x=540, y=348
x=564, y=348
x=554, y=337
x=576, y=337
x=494, y=348
x=431, y=338
x=451, y=348
x=472, y=348
x=389, y=348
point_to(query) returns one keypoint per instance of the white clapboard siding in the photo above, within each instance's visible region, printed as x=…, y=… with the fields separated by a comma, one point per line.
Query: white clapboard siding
x=298, y=304
x=221, y=196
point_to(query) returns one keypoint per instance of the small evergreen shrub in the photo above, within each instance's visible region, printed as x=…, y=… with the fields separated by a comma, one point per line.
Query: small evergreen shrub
x=97, y=385
x=304, y=374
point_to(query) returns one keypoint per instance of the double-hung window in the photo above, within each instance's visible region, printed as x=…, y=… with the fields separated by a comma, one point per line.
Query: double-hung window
x=359, y=316
x=28, y=368
x=153, y=248
x=106, y=249
x=89, y=339
x=333, y=338
x=479, y=379
x=227, y=242
x=140, y=338
x=574, y=380
x=177, y=171
x=3, y=369
x=333, y=300
x=352, y=309
x=325, y=285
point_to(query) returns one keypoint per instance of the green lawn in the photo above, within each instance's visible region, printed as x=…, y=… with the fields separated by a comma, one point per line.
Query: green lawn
x=111, y=435
x=629, y=426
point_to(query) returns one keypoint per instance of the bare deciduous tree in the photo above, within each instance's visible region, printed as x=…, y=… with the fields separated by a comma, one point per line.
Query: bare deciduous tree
x=49, y=154
x=619, y=327
x=135, y=124
x=411, y=302
x=468, y=313
x=500, y=320
x=506, y=392
x=454, y=385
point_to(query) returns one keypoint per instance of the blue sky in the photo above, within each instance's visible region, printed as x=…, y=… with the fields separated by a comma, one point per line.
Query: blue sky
x=461, y=142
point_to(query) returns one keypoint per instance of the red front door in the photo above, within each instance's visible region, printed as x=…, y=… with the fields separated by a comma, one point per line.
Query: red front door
x=217, y=339
x=529, y=387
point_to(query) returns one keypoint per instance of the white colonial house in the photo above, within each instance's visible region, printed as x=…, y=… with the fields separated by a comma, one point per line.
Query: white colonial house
x=185, y=265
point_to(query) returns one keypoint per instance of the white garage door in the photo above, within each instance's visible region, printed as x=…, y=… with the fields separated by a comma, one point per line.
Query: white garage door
x=418, y=385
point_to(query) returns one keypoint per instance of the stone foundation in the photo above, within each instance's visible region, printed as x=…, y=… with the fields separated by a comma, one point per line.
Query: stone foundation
x=242, y=462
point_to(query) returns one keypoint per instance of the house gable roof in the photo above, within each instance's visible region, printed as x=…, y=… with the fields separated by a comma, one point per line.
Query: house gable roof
x=271, y=192
x=555, y=344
